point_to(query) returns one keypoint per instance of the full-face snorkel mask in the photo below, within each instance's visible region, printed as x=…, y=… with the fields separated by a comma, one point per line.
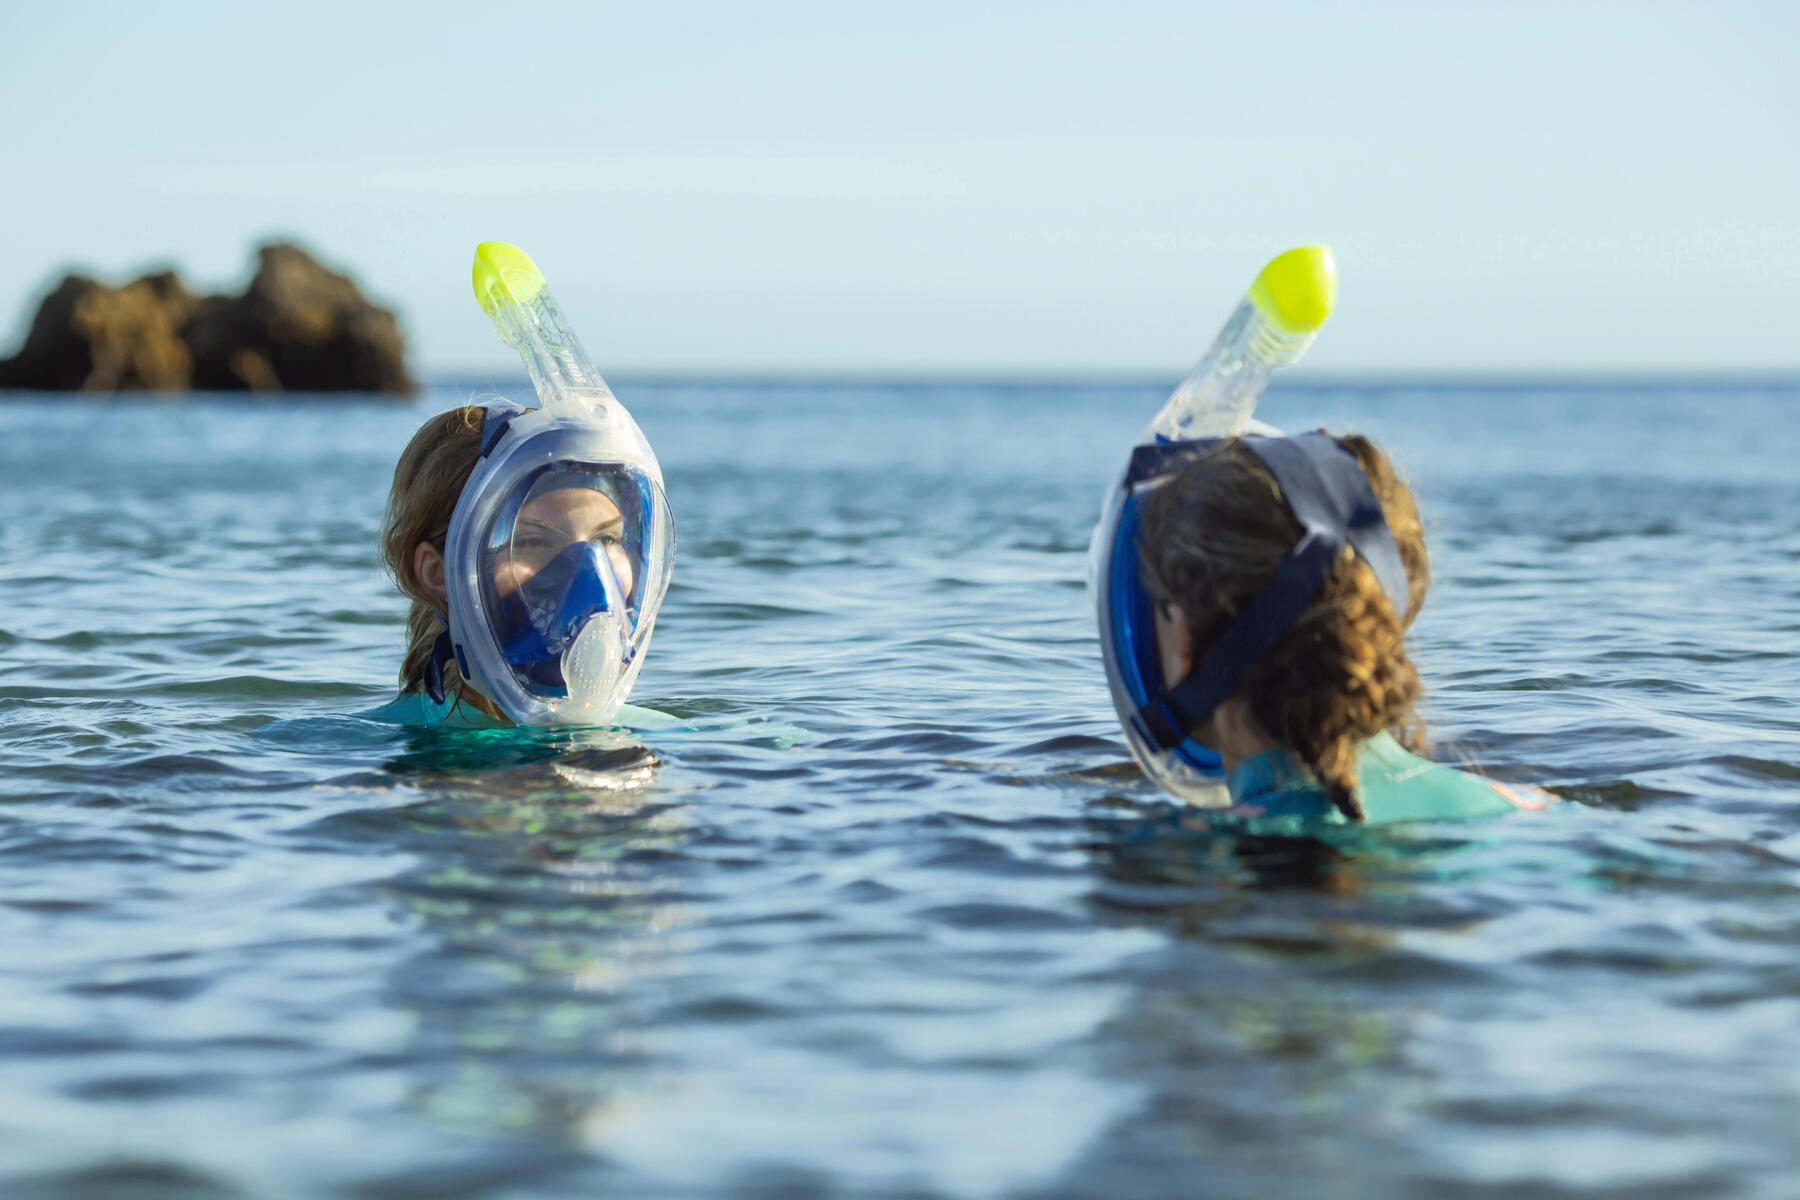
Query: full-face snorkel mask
x=560, y=548
x=1324, y=487
x=1271, y=327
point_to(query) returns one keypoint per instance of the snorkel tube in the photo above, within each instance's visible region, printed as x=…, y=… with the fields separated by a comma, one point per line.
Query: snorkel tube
x=554, y=634
x=1271, y=328
x=512, y=292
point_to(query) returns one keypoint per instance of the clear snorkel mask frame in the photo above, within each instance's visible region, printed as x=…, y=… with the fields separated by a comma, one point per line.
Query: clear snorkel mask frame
x=1271, y=327
x=1323, y=486
x=589, y=638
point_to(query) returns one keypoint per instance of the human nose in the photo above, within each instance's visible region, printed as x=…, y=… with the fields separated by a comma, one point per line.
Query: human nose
x=621, y=565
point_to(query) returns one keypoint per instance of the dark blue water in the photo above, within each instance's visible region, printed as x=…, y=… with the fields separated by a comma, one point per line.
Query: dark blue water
x=893, y=916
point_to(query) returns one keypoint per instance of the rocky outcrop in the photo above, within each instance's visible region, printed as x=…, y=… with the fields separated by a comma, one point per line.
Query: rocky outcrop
x=298, y=327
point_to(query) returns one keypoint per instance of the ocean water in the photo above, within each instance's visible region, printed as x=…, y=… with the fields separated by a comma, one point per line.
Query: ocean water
x=893, y=915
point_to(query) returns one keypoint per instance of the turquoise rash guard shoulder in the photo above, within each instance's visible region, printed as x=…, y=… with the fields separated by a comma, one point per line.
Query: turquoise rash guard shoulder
x=417, y=710
x=1395, y=786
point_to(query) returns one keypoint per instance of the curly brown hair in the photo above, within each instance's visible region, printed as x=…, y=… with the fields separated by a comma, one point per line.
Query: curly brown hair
x=428, y=480
x=1215, y=533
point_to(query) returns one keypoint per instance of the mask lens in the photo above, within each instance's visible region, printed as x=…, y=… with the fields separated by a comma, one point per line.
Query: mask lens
x=564, y=550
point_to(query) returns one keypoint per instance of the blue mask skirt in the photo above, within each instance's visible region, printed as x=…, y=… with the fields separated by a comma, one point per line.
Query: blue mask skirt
x=538, y=622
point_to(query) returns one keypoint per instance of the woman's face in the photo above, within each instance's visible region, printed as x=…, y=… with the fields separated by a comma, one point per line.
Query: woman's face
x=1174, y=643
x=551, y=522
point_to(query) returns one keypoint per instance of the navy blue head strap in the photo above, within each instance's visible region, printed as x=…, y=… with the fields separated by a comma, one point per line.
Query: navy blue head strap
x=1331, y=498
x=494, y=421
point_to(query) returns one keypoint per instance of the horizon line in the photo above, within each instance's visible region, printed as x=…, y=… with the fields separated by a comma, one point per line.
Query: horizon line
x=1022, y=377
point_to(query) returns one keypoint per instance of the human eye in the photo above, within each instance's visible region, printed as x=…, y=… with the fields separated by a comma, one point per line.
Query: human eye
x=536, y=539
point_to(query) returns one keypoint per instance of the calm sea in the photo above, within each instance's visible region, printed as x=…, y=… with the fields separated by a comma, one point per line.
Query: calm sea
x=892, y=916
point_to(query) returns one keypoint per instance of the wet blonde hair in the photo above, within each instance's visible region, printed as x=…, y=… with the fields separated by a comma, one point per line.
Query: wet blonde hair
x=1215, y=533
x=428, y=481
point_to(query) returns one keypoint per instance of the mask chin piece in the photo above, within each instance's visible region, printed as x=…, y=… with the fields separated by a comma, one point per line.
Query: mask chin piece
x=593, y=665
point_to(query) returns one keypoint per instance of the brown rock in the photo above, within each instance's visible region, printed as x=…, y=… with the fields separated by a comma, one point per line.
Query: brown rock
x=55, y=357
x=133, y=335
x=299, y=327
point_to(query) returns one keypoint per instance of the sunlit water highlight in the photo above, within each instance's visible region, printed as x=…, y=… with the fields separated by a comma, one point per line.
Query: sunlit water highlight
x=891, y=915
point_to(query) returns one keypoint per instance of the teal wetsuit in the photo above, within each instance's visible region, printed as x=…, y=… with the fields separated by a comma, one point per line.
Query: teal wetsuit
x=1394, y=786
x=418, y=709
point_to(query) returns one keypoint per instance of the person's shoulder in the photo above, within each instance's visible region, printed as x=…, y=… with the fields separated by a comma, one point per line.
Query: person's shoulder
x=1394, y=785
x=1275, y=784
x=418, y=710
x=646, y=720
x=1398, y=785
x=408, y=708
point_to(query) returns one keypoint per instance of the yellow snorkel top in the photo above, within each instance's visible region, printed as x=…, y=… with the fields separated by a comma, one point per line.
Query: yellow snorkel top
x=504, y=272
x=1284, y=309
x=1296, y=290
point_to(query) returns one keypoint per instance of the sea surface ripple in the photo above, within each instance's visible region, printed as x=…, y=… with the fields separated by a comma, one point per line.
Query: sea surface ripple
x=891, y=915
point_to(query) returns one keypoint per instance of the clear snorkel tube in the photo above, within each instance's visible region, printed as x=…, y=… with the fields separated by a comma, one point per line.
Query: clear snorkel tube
x=1272, y=327
x=512, y=292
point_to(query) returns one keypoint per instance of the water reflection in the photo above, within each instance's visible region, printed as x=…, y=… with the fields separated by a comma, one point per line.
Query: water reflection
x=1168, y=844
x=547, y=880
x=1265, y=1035
x=906, y=957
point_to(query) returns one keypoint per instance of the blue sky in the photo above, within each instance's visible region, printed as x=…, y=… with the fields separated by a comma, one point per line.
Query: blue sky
x=944, y=187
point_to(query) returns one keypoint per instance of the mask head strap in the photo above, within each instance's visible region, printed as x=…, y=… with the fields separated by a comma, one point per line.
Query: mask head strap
x=494, y=422
x=496, y=417
x=1331, y=498
x=1159, y=460
x=441, y=654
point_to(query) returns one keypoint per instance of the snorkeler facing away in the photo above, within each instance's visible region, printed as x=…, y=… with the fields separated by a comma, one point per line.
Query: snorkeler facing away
x=1285, y=573
x=1253, y=593
x=534, y=543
